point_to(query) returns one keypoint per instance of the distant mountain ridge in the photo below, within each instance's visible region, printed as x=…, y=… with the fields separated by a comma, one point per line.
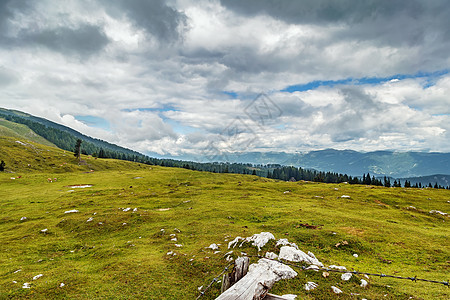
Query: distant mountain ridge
x=378, y=163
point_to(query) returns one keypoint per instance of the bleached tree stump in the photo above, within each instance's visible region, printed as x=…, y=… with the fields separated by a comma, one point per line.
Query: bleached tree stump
x=240, y=270
x=258, y=281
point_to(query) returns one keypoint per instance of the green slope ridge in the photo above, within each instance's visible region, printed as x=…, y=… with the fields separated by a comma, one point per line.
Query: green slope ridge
x=108, y=251
x=12, y=129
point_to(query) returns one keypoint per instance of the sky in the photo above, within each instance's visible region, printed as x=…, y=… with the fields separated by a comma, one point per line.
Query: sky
x=185, y=77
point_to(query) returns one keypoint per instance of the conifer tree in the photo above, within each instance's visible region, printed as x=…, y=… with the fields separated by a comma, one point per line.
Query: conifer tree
x=77, y=151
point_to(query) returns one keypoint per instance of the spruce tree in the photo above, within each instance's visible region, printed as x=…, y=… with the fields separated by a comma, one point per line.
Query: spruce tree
x=77, y=151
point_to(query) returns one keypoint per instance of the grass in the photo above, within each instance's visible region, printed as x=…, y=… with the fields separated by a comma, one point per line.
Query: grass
x=12, y=129
x=123, y=254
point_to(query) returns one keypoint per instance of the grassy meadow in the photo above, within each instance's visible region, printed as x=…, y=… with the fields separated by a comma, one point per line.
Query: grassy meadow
x=116, y=245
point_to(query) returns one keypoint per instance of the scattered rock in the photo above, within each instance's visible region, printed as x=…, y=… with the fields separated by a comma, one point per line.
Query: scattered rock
x=313, y=267
x=285, y=242
x=346, y=276
x=23, y=218
x=173, y=239
x=296, y=255
x=325, y=274
x=355, y=255
x=213, y=247
x=81, y=186
x=38, y=276
x=44, y=230
x=345, y=196
x=364, y=283
x=178, y=245
x=62, y=284
x=341, y=243
x=71, y=211
x=336, y=290
x=135, y=209
x=289, y=296
x=438, y=212
x=17, y=271
x=234, y=242
x=127, y=209
x=271, y=255
x=309, y=286
x=90, y=219
x=259, y=240
x=163, y=209
x=338, y=267
x=26, y=285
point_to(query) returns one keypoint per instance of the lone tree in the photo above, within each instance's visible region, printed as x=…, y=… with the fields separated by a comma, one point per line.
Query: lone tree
x=2, y=166
x=77, y=151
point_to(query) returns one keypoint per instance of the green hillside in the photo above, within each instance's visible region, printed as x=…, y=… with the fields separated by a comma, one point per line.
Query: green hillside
x=8, y=128
x=114, y=247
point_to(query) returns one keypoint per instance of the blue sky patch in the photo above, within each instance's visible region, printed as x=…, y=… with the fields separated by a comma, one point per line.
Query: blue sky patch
x=430, y=77
x=92, y=121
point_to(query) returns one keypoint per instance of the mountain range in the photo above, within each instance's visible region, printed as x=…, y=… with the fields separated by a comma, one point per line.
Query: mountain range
x=423, y=167
x=379, y=163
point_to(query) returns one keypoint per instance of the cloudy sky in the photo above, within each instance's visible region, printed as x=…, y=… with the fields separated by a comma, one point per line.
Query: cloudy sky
x=193, y=77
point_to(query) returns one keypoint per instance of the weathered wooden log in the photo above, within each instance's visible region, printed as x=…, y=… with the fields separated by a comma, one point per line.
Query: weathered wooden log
x=240, y=270
x=258, y=281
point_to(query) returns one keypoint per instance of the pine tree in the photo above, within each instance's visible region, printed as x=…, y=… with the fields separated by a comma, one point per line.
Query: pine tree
x=387, y=182
x=77, y=151
x=2, y=166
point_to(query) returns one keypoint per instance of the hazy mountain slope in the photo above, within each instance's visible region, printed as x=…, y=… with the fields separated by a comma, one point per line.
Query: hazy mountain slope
x=378, y=163
x=440, y=179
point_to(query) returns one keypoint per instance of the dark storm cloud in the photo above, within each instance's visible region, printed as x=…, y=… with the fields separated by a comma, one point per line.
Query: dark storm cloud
x=8, y=8
x=388, y=21
x=154, y=16
x=84, y=40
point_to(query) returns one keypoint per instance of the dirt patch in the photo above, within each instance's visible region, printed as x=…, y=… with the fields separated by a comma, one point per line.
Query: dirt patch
x=381, y=203
x=309, y=226
x=353, y=231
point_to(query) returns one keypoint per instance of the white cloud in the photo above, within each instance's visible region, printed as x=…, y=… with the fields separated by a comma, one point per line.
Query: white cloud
x=159, y=81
